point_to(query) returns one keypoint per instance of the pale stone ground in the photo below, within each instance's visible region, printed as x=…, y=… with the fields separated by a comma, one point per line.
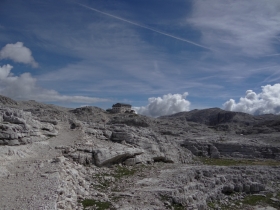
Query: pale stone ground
x=55, y=173
x=29, y=178
x=32, y=179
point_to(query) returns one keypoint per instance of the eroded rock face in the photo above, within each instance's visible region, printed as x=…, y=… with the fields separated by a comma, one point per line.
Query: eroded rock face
x=157, y=147
x=229, y=149
x=120, y=143
x=19, y=127
x=197, y=185
x=103, y=157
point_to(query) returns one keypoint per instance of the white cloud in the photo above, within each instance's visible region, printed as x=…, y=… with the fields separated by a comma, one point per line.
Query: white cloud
x=266, y=102
x=168, y=104
x=18, y=53
x=25, y=87
x=248, y=27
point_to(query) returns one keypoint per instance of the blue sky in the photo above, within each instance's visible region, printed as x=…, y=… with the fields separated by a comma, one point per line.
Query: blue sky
x=105, y=51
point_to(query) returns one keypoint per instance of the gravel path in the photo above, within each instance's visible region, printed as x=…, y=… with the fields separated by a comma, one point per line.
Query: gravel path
x=29, y=178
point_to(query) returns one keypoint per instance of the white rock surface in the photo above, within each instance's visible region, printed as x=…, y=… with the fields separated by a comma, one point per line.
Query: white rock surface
x=110, y=156
x=53, y=158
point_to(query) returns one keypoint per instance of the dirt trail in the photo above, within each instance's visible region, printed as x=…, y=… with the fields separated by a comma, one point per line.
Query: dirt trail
x=28, y=175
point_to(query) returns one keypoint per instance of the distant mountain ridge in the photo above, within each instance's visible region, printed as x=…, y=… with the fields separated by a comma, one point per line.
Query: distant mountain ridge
x=231, y=121
x=214, y=118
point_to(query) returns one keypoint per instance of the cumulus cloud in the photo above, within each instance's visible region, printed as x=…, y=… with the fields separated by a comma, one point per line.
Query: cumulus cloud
x=250, y=27
x=25, y=87
x=266, y=102
x=18, y=53
x=166, y=105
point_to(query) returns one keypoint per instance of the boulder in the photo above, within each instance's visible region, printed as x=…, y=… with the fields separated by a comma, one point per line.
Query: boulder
x=133, y=161
x=104, y=157
x=228, y=189
x=13, y=142
x=91, y=131
x=256, y=187
x=214, y=152
x=238, y=187
x=82, y=158
x=107, y=134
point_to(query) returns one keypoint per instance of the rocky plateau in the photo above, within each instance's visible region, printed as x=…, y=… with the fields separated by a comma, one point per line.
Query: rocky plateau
x=55, y=158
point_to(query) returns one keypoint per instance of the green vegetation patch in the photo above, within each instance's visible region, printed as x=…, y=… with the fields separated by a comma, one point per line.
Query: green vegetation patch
x=98, y=204
x=123, y=171
x=106, y=180
x=249, y=200
x=254, y=200
x=211, y=205
x=177, y=206
x=233, y=206
x=237, y=162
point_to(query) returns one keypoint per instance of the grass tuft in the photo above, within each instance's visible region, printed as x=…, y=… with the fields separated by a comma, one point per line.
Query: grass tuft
x=237, y=162
x=98, y=204
x=123, y=171
x=254, y=200
x=249, y=200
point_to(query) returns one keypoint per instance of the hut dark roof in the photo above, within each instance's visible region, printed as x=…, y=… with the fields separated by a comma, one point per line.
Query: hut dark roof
x=121, y=104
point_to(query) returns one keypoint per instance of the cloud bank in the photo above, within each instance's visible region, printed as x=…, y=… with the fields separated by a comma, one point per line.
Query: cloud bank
x=18, y=53
x=266, y=102
x=24, y=87
x=166, y=105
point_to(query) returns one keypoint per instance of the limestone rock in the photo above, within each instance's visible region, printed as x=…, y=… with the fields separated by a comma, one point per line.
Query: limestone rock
x=62, y=170
x=232, y=149
x=17, y=125
x=214, y=152
x=134, y=161
x=107, y=157
x=228, y=189
x=5, y=101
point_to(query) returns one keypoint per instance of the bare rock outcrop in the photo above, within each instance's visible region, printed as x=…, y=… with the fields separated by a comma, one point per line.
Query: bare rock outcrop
x=19, y=127
x=103, y=157
x=192, y=187
x=129, y=161
x=232, y=149
x=156, y=146
x=120, y=143
x=5, y=101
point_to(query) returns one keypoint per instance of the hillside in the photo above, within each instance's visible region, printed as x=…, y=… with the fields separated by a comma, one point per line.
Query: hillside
x=236, y=122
